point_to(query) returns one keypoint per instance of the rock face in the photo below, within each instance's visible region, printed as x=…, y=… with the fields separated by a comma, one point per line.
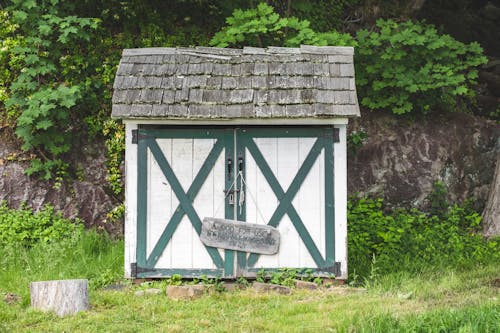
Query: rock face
x=400, y=161
x=402, y=158
x=85, y=198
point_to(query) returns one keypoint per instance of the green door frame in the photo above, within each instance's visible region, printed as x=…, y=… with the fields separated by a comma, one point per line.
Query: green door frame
x=225, y=141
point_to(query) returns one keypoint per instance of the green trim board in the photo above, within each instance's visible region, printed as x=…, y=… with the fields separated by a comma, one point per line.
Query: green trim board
x=185, y=273
x=225, y=142
x=329, y=202
x=142, y=197
x=240, y=211
x=334, y=270
x=228, y=209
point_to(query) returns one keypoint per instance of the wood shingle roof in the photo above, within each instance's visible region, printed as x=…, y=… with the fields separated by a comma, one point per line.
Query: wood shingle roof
x=215, y=83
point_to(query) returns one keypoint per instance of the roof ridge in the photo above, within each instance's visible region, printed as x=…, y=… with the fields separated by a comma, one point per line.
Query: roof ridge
x=205, y=51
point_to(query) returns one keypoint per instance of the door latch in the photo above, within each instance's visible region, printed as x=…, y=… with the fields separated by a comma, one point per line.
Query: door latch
x=231, y=197
x=229, y=168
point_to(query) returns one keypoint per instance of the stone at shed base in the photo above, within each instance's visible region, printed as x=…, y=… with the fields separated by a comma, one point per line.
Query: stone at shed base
x=269, y=287
x=299, y=284
x=150, y=291
x=64, y=297
x=185, y=292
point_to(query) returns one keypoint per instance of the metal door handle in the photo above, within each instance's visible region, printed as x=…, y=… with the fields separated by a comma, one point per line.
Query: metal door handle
x=240, y=163
x=229, y=167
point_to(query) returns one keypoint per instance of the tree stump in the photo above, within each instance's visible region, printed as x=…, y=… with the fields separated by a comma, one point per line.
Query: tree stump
x=61, y=296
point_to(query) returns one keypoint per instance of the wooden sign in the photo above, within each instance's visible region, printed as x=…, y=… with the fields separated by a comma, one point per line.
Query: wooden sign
x=240, y=236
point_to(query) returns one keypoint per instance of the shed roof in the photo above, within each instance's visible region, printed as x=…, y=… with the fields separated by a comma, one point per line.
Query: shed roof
x=216, y=83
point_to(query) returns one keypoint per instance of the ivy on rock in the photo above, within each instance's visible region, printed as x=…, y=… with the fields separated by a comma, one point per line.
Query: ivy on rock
x=47, y=85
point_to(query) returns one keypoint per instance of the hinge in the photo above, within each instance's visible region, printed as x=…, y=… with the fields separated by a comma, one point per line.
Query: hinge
x=333, y=134
x=133, y=270
x=335, y=269
x=135, y=138
x=336, y=138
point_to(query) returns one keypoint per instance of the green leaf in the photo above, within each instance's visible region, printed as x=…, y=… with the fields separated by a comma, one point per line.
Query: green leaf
x=31, y=59
x=45, y=29
x=29, y=4
x=460, y=90
x=44, y=124
x=19, y=16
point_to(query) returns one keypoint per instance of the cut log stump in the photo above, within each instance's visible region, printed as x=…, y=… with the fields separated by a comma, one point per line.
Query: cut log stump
x=64, y=297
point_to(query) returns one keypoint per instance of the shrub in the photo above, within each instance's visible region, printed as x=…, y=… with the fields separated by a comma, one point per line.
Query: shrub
x=410, y=239
x=263, y=27
x=24, y=228
x=47, y=62
x=407, y=66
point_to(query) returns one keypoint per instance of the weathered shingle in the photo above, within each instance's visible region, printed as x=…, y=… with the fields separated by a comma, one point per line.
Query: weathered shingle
x=151, y=96
x=203, y=82
x=261, y=68
x=299, y=110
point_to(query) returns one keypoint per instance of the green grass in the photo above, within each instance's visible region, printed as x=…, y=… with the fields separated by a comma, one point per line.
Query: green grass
x=245, y=311
x=87, y=255
x=429, y=301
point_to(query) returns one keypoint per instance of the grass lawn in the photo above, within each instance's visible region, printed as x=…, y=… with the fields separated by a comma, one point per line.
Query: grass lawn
x=430, y=302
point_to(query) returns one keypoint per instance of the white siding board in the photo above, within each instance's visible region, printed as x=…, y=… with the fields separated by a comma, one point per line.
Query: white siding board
x=130, y=198
x=289, y=250
x=262, y=201
x=159, y=203
x=265, y=199
x=287, y=157
x=163, y=201
x=341, y=200
x=182, y=245
x=252, y=189
x=209, y=199
x=182, y=161
x=310, y=204
x=182, y=166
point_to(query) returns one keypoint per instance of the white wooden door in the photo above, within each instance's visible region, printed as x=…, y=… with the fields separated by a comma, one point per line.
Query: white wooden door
x=289, y=174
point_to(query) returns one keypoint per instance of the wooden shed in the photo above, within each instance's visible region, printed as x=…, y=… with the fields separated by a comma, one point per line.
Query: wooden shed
x=252, y=135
